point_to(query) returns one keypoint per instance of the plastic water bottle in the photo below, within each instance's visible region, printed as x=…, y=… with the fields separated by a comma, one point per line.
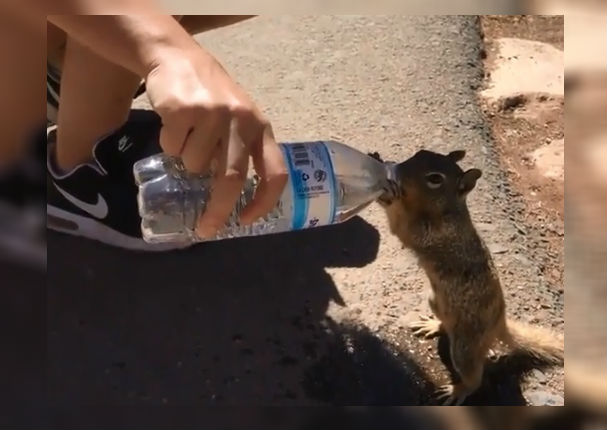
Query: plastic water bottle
x=328, y=183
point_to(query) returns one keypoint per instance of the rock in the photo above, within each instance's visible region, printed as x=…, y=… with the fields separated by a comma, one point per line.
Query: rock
x=539, y=375
x=543, y=398
x=523, y=260
x=525, y=67
x=550, y=159
x=486, y=227
x=497, y=248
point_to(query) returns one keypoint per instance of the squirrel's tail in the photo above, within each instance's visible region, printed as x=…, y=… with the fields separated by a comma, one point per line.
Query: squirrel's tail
x=537, y=342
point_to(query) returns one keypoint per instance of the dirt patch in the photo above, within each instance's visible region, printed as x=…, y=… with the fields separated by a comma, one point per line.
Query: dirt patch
x=540, y=28
x=529, y=132
x=526, y=116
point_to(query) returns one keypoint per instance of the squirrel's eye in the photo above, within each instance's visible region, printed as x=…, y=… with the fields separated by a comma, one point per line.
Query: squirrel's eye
x=435, y=180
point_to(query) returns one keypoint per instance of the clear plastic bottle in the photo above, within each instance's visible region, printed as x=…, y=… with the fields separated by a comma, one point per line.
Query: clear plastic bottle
x=329, y=182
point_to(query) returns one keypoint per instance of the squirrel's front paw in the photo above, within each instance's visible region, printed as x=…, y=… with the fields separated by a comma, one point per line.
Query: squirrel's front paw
x=376, y=156
x=391, y=193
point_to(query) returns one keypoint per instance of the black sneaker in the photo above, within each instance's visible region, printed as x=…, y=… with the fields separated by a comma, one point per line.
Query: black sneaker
x=98, y=200
x=53, y=89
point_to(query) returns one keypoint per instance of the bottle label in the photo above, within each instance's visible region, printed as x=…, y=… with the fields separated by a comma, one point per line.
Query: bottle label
x=313, y=184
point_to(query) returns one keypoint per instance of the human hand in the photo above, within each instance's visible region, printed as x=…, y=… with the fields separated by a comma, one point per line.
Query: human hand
x=207, y=117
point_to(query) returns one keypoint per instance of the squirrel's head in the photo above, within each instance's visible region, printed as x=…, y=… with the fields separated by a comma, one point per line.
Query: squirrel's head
x=434, y=184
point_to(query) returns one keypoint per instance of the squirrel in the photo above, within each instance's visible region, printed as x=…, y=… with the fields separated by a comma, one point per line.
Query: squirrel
x=426, y=209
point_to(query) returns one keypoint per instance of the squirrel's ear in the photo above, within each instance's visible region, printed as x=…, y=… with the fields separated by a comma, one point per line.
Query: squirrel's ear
x=468, y=180
x=457, y=155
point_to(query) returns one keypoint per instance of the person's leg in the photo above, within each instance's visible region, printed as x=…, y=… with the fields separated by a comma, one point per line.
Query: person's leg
x=95, y=99
x=56, y=41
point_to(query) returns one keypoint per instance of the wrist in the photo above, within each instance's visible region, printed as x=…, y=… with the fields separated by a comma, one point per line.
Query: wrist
x=170, y=47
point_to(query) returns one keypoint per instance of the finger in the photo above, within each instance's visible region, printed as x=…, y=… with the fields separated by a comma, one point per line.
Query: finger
x=172, y=138
x=201, y=144
x=269, y=164
x=229, y=180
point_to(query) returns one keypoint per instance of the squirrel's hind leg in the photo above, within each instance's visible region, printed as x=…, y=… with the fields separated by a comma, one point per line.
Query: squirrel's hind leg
x=468, y=359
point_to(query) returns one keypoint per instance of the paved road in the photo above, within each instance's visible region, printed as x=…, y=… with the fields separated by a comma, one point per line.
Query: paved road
x=291, y=319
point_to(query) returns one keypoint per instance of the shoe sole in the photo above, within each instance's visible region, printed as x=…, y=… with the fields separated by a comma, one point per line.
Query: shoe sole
x=76, y=225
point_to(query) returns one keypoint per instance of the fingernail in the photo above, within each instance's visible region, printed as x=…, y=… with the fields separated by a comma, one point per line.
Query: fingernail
x=206, y=230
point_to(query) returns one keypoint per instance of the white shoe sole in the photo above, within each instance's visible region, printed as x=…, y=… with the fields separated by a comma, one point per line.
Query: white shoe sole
x=76, y=225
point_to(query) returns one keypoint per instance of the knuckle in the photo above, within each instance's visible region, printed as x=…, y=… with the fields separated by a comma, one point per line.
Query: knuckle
x=234, y=176
x=242, y=110
x=221, y=110
x=280, y=177
x=178, y=112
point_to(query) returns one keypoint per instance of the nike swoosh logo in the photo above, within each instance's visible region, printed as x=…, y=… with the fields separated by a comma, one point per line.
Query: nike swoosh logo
x=99, y=210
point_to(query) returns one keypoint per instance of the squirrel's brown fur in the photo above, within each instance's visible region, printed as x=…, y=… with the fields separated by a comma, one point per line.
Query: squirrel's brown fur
x=427, y=211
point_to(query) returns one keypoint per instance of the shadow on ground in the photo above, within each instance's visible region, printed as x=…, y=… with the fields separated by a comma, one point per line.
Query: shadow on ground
x=233, y=322
x=22, y=359
x=362, y=369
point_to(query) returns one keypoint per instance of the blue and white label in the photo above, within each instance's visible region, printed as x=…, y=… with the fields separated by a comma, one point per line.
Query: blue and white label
x=313, y=185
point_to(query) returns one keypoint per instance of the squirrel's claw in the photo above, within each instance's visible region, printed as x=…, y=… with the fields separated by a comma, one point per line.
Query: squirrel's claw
x=426, y=327
x=391, y=192
x=451, y=392
x=444, y=391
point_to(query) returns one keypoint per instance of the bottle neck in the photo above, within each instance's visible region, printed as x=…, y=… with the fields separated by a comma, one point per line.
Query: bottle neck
x=390, y=171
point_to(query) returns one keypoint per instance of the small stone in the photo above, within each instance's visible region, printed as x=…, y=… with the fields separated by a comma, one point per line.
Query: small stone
x=497, y=248
x=486, y=226
x=540, y=376
x=544, y=398
x=522, y=259
x=546, y=306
